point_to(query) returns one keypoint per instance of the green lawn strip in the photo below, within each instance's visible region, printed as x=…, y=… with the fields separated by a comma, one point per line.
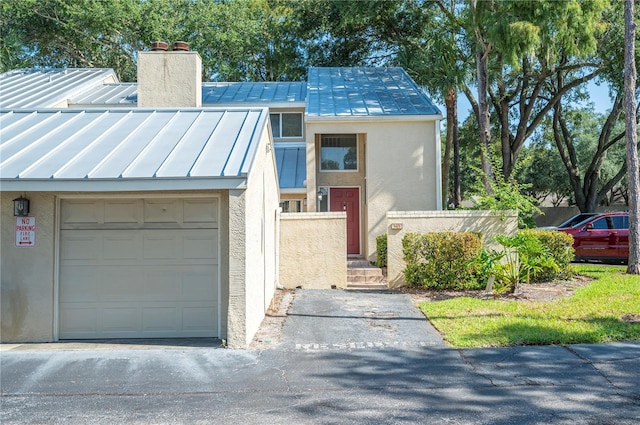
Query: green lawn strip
x=591, y=315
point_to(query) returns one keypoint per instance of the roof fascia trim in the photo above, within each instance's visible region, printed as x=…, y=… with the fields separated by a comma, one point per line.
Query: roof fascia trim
x=123, y=185
x=370, y=118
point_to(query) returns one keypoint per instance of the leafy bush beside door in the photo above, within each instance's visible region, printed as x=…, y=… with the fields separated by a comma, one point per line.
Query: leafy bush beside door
x=442, y=259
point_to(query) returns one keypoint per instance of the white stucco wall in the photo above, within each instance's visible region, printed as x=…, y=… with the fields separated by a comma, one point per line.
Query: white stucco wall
x=399, y=223
x=402, y=168
x=27, y=274
x=313, y=250
x=253, y=241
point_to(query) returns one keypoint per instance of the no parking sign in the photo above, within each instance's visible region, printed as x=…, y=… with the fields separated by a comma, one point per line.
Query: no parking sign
x=25, y=232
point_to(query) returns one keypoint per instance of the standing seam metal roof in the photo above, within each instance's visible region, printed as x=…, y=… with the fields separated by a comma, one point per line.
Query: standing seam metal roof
x=248, y=92
x=365, y=91
x=46, y=88
x=127, y=144
x=291, y=162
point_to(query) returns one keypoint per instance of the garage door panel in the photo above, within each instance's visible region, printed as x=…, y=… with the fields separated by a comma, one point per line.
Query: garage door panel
x=160, y=319
x=162, y=285
x=76, y=246
x=82, y=284
x=120, y=319
x=120, y=245
x=200, y=245
x=194, y=317
x=140, y=282
x=162, y=211
x=200, y=211
x=81, y=211
x=79, y=319
x=161, y=245
x=122, y=211
x=125, y=284
x=197, y=285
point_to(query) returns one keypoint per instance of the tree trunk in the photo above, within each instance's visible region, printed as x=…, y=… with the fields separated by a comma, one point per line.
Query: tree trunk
x=449, y=101
x=457, y=195
x=482, y=53
x=631, y=137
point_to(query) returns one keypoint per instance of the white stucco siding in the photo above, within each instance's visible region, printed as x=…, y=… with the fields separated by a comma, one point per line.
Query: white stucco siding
x=262, y=203
x=27, y=274
x=402, y=173
x=402, y=167
x=252, y=247
x=313, y=250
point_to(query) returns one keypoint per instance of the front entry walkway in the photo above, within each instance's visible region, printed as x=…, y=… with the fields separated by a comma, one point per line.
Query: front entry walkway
x=346, y=320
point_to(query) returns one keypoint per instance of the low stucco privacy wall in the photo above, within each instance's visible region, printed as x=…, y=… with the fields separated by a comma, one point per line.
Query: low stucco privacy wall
x=313, y=250
x=400, y=223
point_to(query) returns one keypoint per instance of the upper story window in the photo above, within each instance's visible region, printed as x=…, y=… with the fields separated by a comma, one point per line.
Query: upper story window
x=286, y=124
x=338, y=152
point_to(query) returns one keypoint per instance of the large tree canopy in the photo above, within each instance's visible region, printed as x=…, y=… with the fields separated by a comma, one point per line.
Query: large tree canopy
x=521, y=63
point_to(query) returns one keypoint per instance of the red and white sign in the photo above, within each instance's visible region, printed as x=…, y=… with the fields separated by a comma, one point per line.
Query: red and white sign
x=25, y=232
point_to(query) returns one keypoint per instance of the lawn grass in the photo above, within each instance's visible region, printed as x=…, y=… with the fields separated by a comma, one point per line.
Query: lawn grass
x=593, y=314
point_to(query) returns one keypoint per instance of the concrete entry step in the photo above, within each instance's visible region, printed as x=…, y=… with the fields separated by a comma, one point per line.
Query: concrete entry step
x=363, y=276
x=382, y=286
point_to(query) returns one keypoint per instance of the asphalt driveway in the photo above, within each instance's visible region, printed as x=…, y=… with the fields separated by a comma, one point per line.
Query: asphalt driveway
x=344, y=358
x=333, y=319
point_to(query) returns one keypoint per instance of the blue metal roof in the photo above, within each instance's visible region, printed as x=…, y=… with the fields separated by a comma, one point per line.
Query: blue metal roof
x=265, y=92
x=47, y=88
x=241, y=94
x=124, y=149
x=363, y=91
x=291, y=161
x=123, y=94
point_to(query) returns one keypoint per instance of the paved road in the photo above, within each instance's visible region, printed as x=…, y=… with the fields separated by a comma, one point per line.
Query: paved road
x=344, y=358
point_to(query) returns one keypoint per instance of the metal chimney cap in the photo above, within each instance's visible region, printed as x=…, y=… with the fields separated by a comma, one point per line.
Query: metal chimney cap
x=181, y=46
x=159, y=46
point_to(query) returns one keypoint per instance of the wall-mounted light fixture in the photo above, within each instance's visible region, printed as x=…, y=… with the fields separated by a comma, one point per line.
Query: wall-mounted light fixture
x=21, y=207
x=321, y=193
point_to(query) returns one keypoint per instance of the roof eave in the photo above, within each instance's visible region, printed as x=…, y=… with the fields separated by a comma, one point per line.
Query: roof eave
x=371, y=118
x=123, y=185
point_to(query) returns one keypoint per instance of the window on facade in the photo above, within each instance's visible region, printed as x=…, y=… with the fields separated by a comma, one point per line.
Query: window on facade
x=338, y=152
x=291, y=206
x=286, y=124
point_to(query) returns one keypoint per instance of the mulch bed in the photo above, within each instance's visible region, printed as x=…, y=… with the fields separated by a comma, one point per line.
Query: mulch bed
x=546, y=291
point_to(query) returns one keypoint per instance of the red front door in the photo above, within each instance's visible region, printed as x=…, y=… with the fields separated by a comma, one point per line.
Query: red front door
x=347, y=199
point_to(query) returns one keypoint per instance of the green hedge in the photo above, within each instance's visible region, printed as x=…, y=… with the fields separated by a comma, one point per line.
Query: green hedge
x=381, y=251
x=444, y=260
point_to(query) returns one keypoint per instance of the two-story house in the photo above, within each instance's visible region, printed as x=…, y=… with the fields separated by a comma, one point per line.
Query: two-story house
x=154, y=205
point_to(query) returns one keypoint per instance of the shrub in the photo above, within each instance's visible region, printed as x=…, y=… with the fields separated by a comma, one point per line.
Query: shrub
x=381, y=251
x=506, y=195
x=526, y=258
x=559, y=247
x=444, y=260
x=533, y=255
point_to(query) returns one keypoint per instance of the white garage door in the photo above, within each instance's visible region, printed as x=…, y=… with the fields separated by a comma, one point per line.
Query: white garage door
x=138, y=268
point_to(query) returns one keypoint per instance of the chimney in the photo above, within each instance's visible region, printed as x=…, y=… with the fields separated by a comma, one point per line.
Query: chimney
x=169, y=78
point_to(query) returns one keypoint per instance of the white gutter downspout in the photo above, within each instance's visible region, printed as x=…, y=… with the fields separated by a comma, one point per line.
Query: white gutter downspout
x=277, y=282
x=438, y=168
